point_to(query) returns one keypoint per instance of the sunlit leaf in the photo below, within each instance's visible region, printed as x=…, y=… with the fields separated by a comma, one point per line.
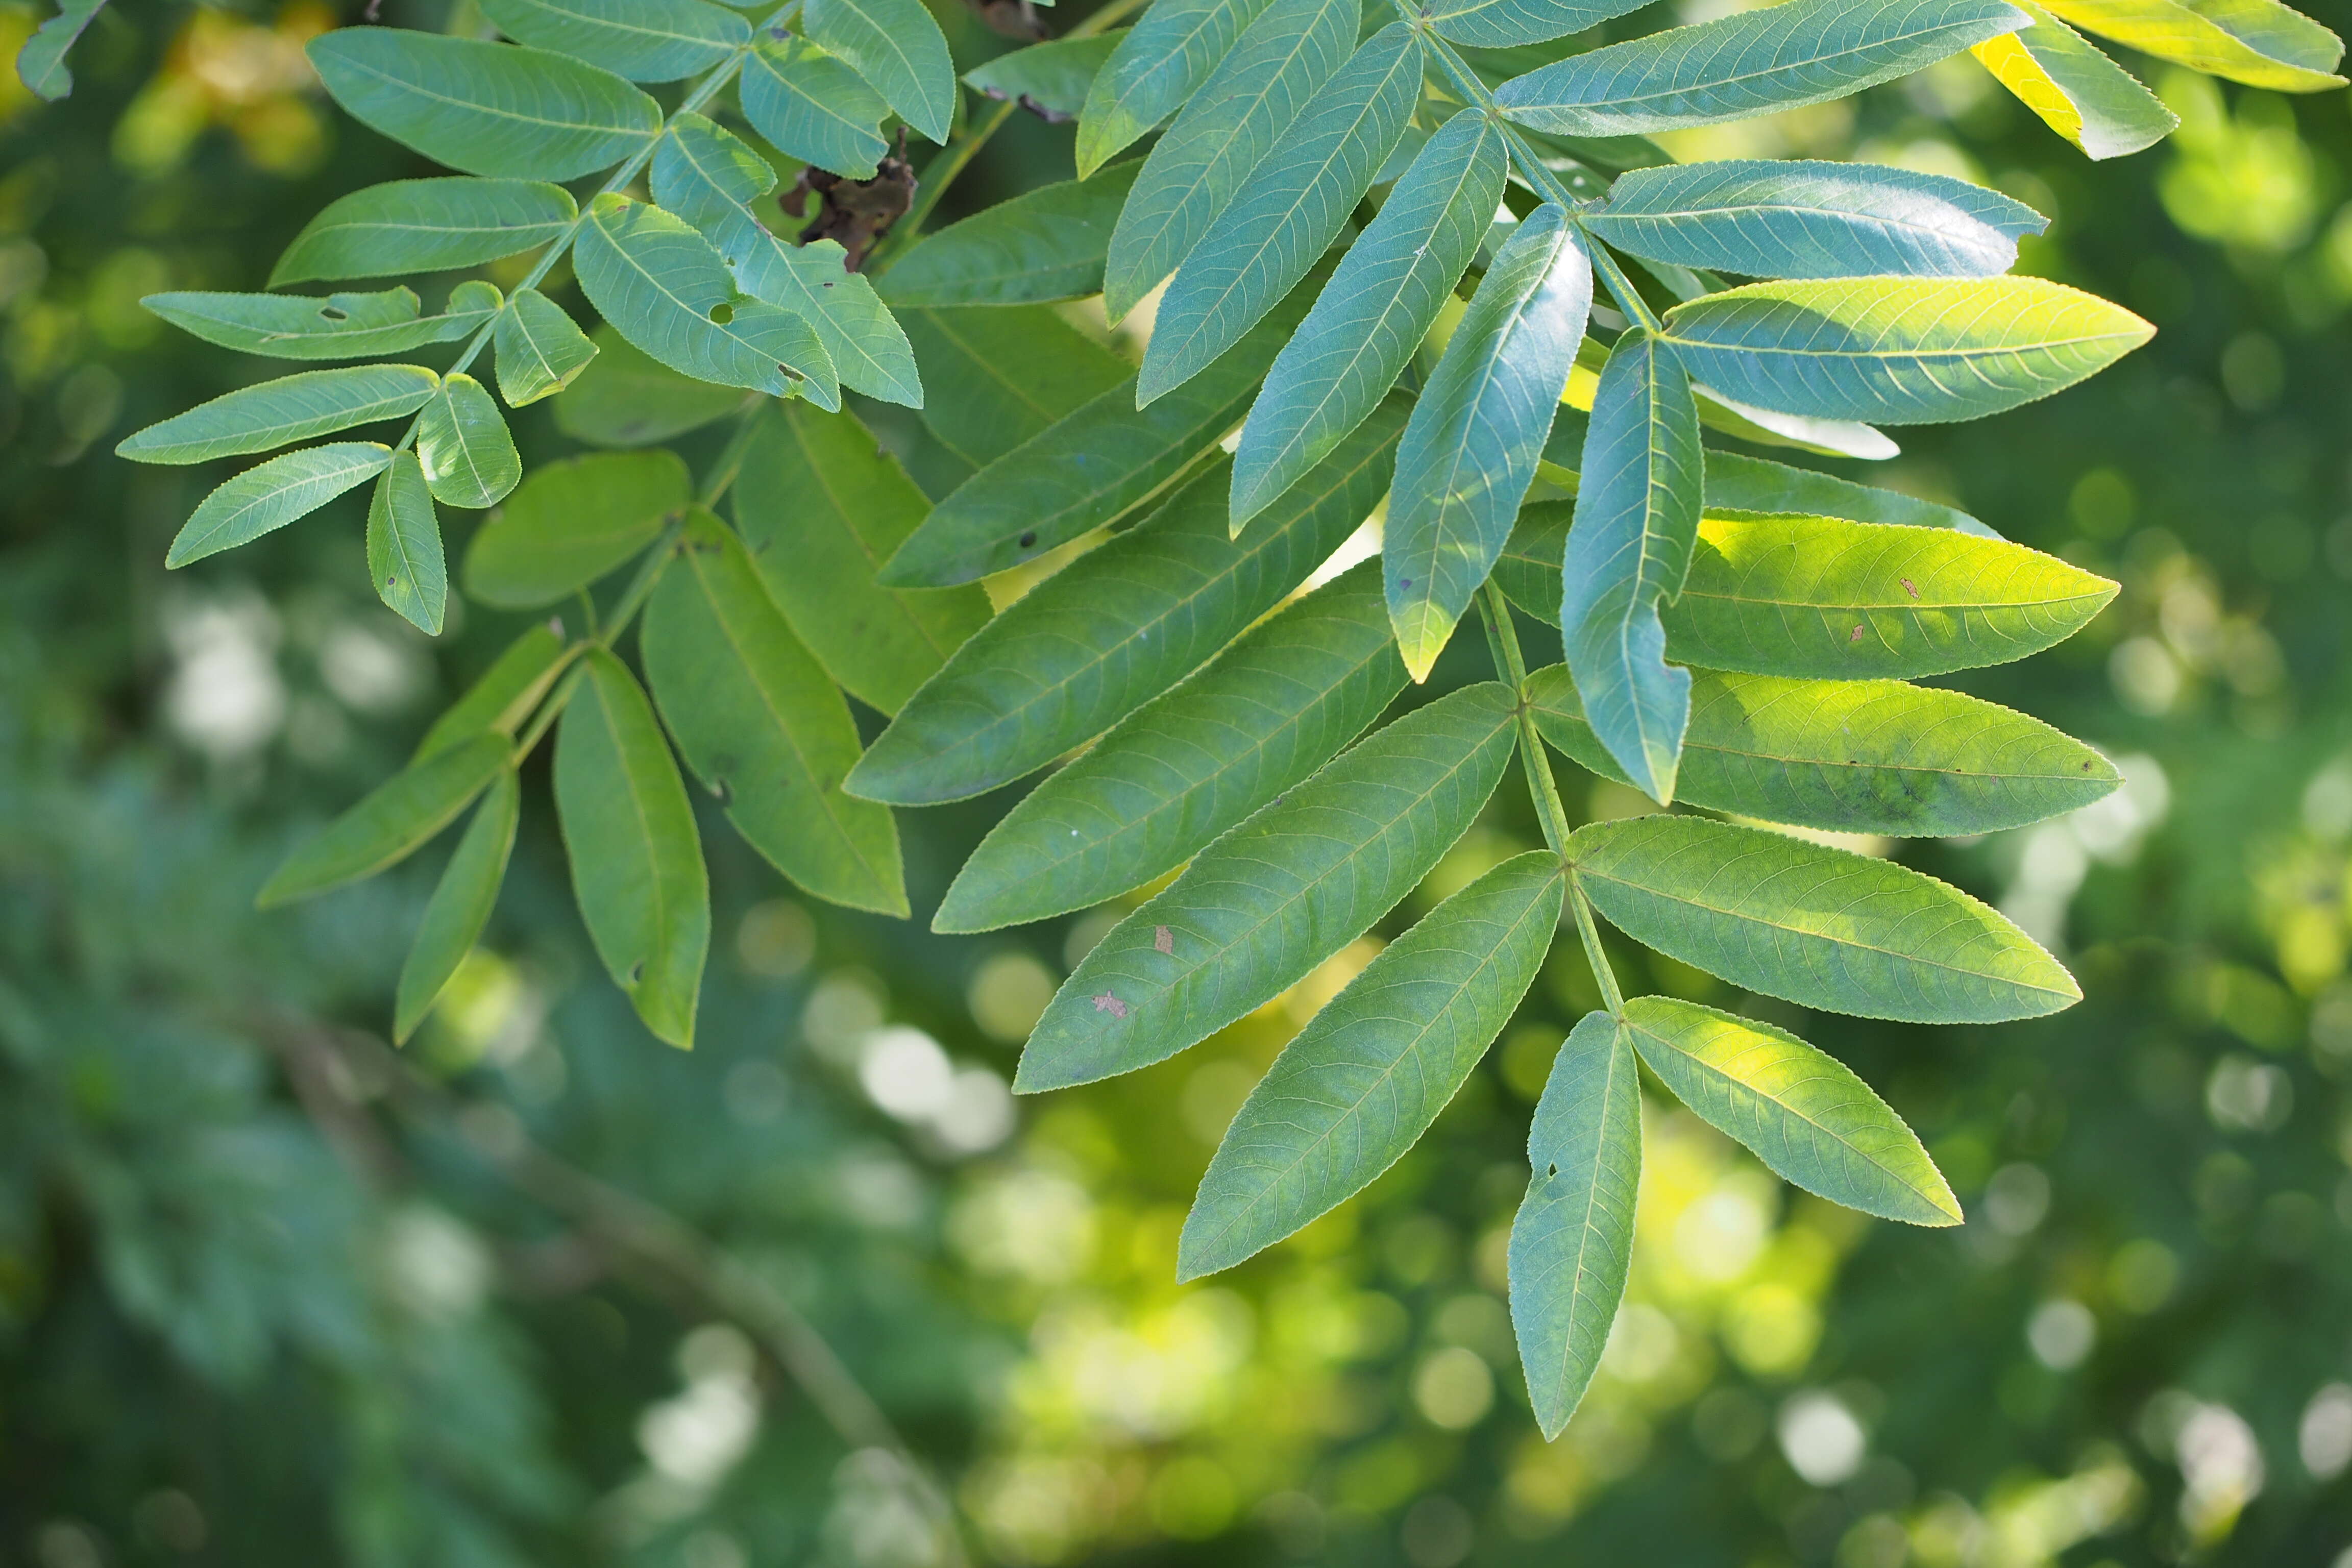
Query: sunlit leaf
x=2076, y=90
x=2258, y=42
x=340, y=326
x=540, y=349
x=461, y=438
x=289, y=487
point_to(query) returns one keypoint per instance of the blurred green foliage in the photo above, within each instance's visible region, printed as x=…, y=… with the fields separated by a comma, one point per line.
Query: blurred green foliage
x=538, y=1290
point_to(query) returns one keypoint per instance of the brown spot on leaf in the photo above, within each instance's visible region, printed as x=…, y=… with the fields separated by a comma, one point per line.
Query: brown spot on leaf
x=1163, y=940
x=1909, y=586
x=857, y=213
x=1857, y=635
x=1106, y=1002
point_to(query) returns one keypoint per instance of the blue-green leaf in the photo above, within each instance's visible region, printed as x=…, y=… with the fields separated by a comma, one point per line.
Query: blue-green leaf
x=1379, y=305
x=404, y=545
x=1155, y=68
x=997, y=377
x=1050, y=78
x=1750, y=63
x=570, y=523
x=290, y=486
x=292, y=408
x=540, y=350
x=340, y=326
x=813, y=107
x=1287, y=214
x=645, y=40
x=1504, y=23
x=626, y=397
x=485, y=109
x=898, y=48
x=425, y=225
x=1470, y=452
x=460, y=906
x=2076, y=90
x=469, y=459
x=1047, y=244
x=41, y=62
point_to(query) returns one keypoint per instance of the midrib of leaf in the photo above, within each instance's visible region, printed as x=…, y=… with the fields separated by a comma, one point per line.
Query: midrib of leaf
x=465, y=444
x=1864, y=607
x=531, y=341
x=1594, y=1241
x=313, y=477
x=1737, y=211
x=654, y=859
x=1441, y=531
x=888, y=37
x=724, y=329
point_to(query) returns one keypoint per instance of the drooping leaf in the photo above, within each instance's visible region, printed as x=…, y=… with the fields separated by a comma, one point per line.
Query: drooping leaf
x=1189, y=763
x=1804, y=432
x=292, y=408
x=1750, y=63
x=1051, y=78
x=404, y=545
x=1803, y=1113
x=570, y=523
x=41, y=62
x=1852, y=756
x=2259, y=42
x=1261, y=907
x=898, y=48
x=1366, y=1077
x=1232, y=122
x=813, y=107
x=340, y=326
x=460, y=906
x=425, y=225
x=1155, y=68
x=2076, y=90
x=762, y=726
x=504, y=694
x=1637, y=508
x=540, y=349
x=1285, y=214
x=1380, y=303
x=1752, y=484
x=1897, y=351
x=485, y=109
x=1572, y=1239
x=469, y=459
x=1116, y=627
x=1504, y=23
x=636, y=859
x=1470, y=452
x=1789, y=218
x=1819, y=927
x=995, y=378
x=390, y=823
x=1048, y=243
x=626, y=397
x=644, y=40
x=289, y=487
x=660, y=284
x=821, y=506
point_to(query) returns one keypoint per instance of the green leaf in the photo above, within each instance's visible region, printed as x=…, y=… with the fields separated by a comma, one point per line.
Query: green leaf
x=485, y=109
x=1050, y=78
x=762, y=726
x=626, y=397
x=1502, y=23
x=1256, y=911
x=2076, y=90
x=1852, y=756
x=813, y=106
x=995, y=378
x=1750, y=63
x=1637, y=510
x=289, y=487
x=1770, y=428
x=340, y=326
x=292, y=408
x=1227, y=126
x=1155, y=68
x=708, y=177
x=393, y=822
x=41, y=63
x=1366, y=1077
x=1816, y=926
x=1897, y=351
x=1285, y=214
x=1189, y=763
x=540, y=349
x=504, y=694
x=664, y=288
x=1572, y=1239
x=2258, y=42
x=1470, y=452
x=1380, y=303
x=1827, y=598
x=470, y=460
x=1803, y=1113
x=571, y=522
x=404, y=545
x=1114, y=629
x=1046, y=245
x=1089, y=467
x=636, y=860
x=460, y=906
x=898, y=48
x=1735, y=483
x=644, y=40
x=425, y=225
x=1785, y=218
x=821, y=506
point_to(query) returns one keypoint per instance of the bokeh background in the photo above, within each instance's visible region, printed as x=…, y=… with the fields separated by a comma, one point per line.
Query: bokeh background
x=540, y=1291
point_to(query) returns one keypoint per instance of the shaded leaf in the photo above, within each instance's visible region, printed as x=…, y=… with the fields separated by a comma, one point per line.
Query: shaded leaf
x=41, y=62
x=292, y=408
x=644, y=40
x=470, y=460
x=460, y=906
x=390, y=823
x=290, y=486
x=504, y=695
x=2076, y=89
x=1154, y=70
x=573, y=522
x=540, y=349
x=425, y=225
x=626, y=397
x=1047, y=244
x=813, y=107
x=999, y=377
x=340, y=326
x=1051, y=78
x=898, y=48
x=404, y=546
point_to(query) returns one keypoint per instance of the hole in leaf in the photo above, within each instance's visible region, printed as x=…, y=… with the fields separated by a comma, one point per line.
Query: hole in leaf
x=333, y=314
x=1029, y=539
x=722, y=313
x=636, y=972
x=1551, y=1170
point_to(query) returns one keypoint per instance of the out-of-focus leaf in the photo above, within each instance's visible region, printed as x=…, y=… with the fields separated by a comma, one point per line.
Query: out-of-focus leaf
x=1753, y=484
x=2259, y=42
x=1051, y=78
x=292, y=408
x=626, y=397
x=425, y=225
x=540, y=350
x=404, y=545
x=290, y=486
x=1260, y=908
x=1816, y=926
x=1157, y=65
x=469, y=459
x=1046, y=245
x=41, y=62
x=995, y=378
x=813, y=107
x=390, y=823
x=2076, y=90
x=460, y=906
x=636, y=860
x=1366, y=1077
x=570, y=523
x=644, y=40
x=340, y=326
x=898, y=48
x=503, y=695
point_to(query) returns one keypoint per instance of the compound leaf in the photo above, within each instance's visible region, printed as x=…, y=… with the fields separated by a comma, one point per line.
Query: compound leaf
x=390, y=823
x=460, y=906
x=425, y=225
x=292, y=408
x=289, y=487
x=570, y=523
